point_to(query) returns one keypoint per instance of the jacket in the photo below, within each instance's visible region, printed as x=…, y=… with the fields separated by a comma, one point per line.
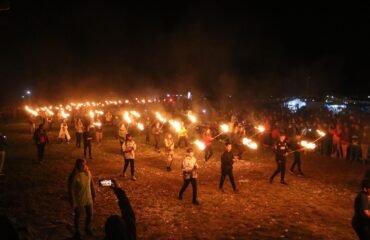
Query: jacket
x=189, y=167
x=128, y=149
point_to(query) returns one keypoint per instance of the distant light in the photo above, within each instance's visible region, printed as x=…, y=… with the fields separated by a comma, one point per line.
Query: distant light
x=22, y=96
x=168, y=94
x=28, y=92
x=204, y=111
x=189, y=95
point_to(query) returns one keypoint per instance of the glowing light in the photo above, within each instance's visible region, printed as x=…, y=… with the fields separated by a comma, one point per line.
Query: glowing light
x=200, y=145
x=136, y=114
x=160, y=118
x=176, y=125
x=224, y=128
x=140, y=126
x=246, y=141
x=31, y=111
x=91, y=114
x=99, y=112
x=321, y=133
x=308, y=145
x=249, y=143
x=192, y=118
x=127, y=117
x=98, y=124
x=260, y=128
x=63, y=114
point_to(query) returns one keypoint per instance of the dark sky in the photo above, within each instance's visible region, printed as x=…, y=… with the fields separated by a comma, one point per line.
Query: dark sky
x=94, y=48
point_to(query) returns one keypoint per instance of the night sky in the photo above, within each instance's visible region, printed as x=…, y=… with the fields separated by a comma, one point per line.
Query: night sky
x=62, y=50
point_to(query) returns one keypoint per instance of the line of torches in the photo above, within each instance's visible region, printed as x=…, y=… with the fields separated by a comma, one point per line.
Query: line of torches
x=131, y=117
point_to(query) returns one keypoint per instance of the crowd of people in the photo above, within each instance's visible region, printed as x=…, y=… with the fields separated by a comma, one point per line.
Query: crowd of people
x=347, y=136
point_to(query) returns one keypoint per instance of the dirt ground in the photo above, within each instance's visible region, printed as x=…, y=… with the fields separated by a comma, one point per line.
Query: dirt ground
x=318, y=206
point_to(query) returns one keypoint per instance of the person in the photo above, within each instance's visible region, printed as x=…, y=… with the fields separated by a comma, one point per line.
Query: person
x=157, y=130
x=182, y=136
x=208, y=139
x=32, y=124
x=128, y=149
x=108, y=118
x=41, y=139
x=122, y=132
x=361, y=218
x=296, y=147
x=170, y=145
x=49, y=120
x=124, y=226
x=365, y=142
x=148, y=125
x=63, y=132
x=2, y=152
x=79, y=126
x=189, y=168
x=87, y=141
x=281, y=152
x=227, y=161
x=99, y=131
x=81, y=195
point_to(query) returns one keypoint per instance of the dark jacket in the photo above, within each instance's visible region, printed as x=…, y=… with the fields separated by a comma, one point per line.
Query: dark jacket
x=281, y=148
x=87, y=137
x=127, y=213
x=227, y=161
x=40, y=137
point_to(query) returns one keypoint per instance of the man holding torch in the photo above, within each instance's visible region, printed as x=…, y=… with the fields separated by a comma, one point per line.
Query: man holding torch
x=170, y=145
x=189, y=168
x=281, y=151
x=227, y=161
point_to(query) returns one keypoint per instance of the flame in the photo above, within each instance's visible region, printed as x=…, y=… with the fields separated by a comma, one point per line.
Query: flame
x=224, y=128
x=260, y=128
x=64, y=115
x=176, y=125
x=127, y=117
x=29, y=110
x=140, y=126
x=246, y=141
x=308, y=145
x=98, y=124
x=200, y=144
x=92, y=114
x=136, y=114
x=249, y=143
x=159, y=117
x=192, y=118
x=321, y=133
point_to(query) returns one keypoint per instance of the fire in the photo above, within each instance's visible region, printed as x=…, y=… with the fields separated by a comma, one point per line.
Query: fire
x=91, y=114
x=64, y=115
x=192, y=118
x=308, y=145
x=136, y=114
x=249, y=143
x=224, y=128
x=127, y=117
x=200, y=145
x=140, y=126
x=99, y=112
x=176, y=125
x=246, y=141
x=160, y=118
x=321, y=133
x=98, y=124
x=29, y=110
x=260, y=128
